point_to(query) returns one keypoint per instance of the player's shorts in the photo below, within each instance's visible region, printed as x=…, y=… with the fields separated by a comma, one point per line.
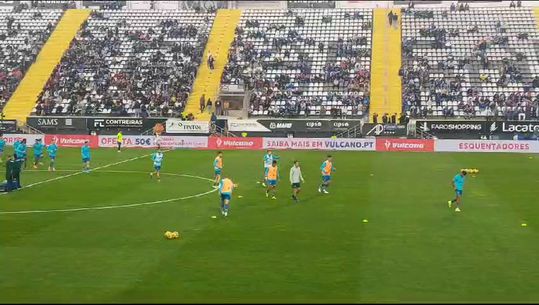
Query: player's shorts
x=266, y=170
x=458, y=193
x=38, y=156
x=296, y=185
x=326, y=178
x=218, y=171
x=226, y=197
x=52, y=157
x=157, y=167
x=272, y=182
x=84, y=160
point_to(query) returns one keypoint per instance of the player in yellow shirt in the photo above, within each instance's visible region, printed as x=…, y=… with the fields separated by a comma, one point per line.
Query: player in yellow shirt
x=272, y=177
x=218, y=168
x=226, y=186
x=119, y=140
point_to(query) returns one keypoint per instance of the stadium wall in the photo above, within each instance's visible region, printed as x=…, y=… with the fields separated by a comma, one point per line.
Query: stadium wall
x=341, y=144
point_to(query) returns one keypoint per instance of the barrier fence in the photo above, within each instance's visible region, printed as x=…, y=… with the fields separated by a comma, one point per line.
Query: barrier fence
x=223, y=143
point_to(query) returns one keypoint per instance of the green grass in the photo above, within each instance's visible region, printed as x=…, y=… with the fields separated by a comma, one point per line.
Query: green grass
x=413, y=249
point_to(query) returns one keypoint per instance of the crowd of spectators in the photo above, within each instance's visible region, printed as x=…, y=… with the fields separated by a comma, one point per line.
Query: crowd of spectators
x=282, y=94
x=456, y=85
x=23, y=47
x=122, y=71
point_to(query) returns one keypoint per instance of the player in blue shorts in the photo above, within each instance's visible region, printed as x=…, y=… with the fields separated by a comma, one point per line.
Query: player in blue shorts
x=326, y=169
x=38, y=152
x=85, y=153
x=273, y=176
x=157, y=159
x=226, y=186
x=2, y=146
x=52, y=150
x=458, y=186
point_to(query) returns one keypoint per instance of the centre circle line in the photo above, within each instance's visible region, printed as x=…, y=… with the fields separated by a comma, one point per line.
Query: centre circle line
x=121, y=205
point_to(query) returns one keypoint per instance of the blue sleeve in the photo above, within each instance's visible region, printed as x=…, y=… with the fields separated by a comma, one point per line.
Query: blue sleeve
x=322, y=166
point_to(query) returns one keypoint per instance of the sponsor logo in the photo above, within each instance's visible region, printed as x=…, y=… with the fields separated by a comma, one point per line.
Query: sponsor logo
x=234, y=143
x=151, y=141
x=30, y=138
x=487, y=146
x=313, y=124
x=452, y=126
x=280, y=125
x=493, y=127
x=322, y=144
x=520, y=127
x=404, y=145
x=72, y=140
x=246, y=125
x=47, y=122
x=179, y=126
x=494, y=146
x=341, y=124
x=118, y=123
x=99, y=123
x=8, y=125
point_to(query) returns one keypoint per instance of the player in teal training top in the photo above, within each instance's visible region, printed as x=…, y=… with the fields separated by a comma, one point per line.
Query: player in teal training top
x=85, y=152
x=458, y=185
x=268, y=161
x=2, y=146
x=38, y=152
x=157, y=159
x=52, y=150
x=20, y=151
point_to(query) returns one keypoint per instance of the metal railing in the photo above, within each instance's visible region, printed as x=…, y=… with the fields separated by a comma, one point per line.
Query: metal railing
x=353, y=132
x=29, y=129
x=222, y=132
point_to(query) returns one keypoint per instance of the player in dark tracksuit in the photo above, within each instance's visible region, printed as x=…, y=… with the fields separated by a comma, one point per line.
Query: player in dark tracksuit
x=16, y=173
x=10, y=163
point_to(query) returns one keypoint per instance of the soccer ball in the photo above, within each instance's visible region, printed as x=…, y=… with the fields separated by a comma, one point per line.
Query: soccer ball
x=175, y=235
x=168, y=235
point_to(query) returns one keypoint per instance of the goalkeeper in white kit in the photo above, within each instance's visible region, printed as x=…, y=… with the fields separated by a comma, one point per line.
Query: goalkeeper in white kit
x=296, y=178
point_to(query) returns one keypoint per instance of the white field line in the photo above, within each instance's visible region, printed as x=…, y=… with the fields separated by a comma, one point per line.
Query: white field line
x=81, y=172
x=118, y=206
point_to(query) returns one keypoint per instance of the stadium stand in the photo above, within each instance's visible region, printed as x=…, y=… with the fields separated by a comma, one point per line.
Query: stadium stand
x=22, y=34
x=129, y=62
x=311, y=62
x=470, y=62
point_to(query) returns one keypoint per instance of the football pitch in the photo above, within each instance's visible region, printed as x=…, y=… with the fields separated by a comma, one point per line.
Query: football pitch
x=98, y=237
